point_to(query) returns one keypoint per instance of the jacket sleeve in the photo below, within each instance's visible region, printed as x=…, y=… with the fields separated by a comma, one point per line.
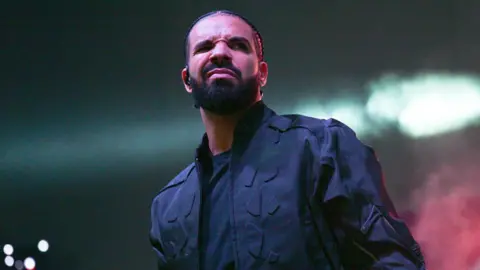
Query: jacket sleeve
x=155, y=236
x=358, y=208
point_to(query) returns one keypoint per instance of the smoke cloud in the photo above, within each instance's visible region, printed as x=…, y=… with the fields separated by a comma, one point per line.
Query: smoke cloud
x=448, y=217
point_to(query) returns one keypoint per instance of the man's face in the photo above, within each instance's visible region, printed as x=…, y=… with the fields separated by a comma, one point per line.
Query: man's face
x=225, y=72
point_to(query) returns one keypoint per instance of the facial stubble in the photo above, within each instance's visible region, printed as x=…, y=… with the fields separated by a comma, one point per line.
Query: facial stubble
x=224, y=97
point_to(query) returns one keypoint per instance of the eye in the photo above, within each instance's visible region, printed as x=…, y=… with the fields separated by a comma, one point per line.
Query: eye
x=240, y=46
x=204, y=48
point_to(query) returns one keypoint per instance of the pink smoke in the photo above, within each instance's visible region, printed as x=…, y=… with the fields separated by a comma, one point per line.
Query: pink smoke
x=448, y=218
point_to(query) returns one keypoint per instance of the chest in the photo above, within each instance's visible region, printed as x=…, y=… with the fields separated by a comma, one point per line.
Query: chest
x=269, y=205
x=263, y=197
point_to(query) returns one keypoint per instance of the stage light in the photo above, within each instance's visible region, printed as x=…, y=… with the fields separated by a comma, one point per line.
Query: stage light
x=9, y=261
x=29, y=263
x=43, y=246
x=8, y=249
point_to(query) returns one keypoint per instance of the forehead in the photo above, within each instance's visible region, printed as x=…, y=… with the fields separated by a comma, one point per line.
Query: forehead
x=220, y=26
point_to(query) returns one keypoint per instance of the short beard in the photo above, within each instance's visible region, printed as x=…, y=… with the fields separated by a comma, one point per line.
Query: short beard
x=222, y=97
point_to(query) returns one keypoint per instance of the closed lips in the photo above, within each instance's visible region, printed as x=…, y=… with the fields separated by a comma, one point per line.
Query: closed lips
x=221, y=71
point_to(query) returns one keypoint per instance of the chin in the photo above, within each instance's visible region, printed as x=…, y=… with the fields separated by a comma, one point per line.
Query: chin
x=223, y=82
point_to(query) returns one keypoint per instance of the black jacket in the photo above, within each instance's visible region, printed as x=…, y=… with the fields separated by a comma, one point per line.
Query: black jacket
x=307, y=194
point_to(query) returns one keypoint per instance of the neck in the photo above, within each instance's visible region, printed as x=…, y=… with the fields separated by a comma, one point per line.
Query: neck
x=219, y=130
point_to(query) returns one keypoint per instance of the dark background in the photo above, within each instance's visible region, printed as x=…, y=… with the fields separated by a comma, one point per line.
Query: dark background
x=94, y=118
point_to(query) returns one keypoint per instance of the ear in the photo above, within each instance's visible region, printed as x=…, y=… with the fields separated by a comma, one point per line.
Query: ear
x=263, y=73
x=185, y=80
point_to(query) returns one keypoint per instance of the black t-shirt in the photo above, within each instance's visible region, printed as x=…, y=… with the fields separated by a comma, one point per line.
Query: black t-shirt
x=216, y=244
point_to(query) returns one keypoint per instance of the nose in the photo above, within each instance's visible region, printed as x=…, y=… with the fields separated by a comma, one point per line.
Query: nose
x=220, y=54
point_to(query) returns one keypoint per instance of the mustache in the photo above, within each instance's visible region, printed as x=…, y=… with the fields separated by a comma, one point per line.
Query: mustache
x=228, y=66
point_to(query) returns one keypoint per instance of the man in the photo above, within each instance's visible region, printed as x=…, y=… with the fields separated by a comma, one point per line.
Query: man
x=269, y=191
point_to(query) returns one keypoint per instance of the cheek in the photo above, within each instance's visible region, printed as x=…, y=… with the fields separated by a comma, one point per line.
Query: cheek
x=195, y=68
x=249, y=68
x=196, y=74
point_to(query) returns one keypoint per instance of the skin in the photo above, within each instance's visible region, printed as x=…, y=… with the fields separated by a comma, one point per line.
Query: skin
x=217, y=39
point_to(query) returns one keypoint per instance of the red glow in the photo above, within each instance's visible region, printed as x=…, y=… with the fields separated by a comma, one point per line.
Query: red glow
x=448, y=220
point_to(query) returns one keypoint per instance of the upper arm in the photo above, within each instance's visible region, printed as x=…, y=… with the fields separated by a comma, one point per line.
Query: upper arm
x=358, y=206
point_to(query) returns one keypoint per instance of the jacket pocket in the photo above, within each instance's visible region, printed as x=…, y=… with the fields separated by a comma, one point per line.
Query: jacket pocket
x=381, y=228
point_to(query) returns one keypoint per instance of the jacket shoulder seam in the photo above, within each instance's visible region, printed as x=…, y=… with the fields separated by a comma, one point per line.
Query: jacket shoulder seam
x=315, y=126
x=179, y=179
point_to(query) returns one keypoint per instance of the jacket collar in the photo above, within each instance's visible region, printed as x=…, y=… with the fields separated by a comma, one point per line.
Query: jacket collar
x=257, y=115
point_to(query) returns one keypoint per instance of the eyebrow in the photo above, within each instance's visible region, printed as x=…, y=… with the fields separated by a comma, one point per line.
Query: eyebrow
x=235, y=39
